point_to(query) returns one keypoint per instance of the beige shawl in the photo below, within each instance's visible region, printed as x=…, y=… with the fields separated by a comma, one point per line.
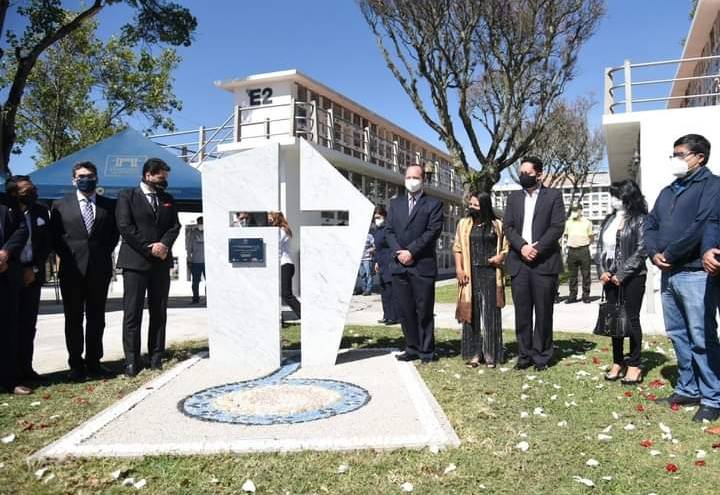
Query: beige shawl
x=463, y=312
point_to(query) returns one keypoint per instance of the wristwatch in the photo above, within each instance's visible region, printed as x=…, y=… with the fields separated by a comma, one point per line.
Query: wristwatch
x=36, y=269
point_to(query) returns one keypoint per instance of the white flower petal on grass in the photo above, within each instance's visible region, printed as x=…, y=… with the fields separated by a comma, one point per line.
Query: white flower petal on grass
x=562, y=424
x=524, y=414
x=49, y=478
x=700, y=454
x=456, y=375
x=675, y=441
x=35, y=404
x=128, y=482
x=342, y=469
x=600, y=385
x=214, y=480
x=664, y=428
x=629, y=427
x=140, y=484
x=504, y=370
x=655, y=453
x=525, y=386
x=481, y=372
x=2, y=465
x=531, y=377
x=523, y=435
x=8, y=438
x=248, y=486
x=584, y=481
x=407, y=487
x=523, y=397
x=607, y=429
x=603, y=437
x=606, y=478
x=553, y=397
x=450, y=468
x=615, y=416
x=434, y=449
x=523, y=446
x=40, y=473
x=556, y=386
x=490, y=400
x=538, y=411
x=54, y=417
x=592, y=462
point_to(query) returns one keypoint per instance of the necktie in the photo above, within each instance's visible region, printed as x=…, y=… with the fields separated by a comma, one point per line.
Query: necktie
x=412, y=204
x=88, y=215
x=154, y=203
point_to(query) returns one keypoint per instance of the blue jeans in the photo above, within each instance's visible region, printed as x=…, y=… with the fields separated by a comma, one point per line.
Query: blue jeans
x=366, y=274
x=690, y=300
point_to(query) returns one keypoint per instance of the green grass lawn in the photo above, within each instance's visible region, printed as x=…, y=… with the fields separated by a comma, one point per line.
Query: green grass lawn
x=447, y=294
x=484, y=406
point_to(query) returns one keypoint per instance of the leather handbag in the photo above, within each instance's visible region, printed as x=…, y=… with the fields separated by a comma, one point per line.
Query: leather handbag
x=612, y=318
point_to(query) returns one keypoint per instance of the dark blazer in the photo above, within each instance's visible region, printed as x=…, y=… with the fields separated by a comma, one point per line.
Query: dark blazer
x=417, y=232
x=383, y=254
x=13, y=233
x=547, y=229
x=139, y=228
x=79, y=252
x=41, y=238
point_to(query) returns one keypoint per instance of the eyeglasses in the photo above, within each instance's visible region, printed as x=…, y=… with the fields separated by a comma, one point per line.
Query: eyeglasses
x=682, y=155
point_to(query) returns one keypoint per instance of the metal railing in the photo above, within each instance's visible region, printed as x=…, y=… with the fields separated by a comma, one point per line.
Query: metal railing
x=627, y=85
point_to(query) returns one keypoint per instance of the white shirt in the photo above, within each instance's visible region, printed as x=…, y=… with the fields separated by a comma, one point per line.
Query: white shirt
x=149, y=191
x=285, y=258
x=82, y=198
x=610, y=235
x=27, y=254
x=530, y=202
x=416, y=198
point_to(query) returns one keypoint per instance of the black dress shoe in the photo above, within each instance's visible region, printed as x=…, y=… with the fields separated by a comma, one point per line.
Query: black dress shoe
x=541, y=367
x=522, y=365
x=428, y=360
x=571, y=300
x=407, y=357
x=99, y=371
x=392, y=322
x=131, y=370
x=586, y=300
x=77, y=375
x=383, y=321
x=156, y=365
x=34, y=376
x=706, y=413
x=680, y=400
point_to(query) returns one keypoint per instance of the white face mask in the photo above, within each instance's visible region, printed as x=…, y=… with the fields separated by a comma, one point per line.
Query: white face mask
x=379, y=222
x=617, y=204
x=678, y=167
x=575, y=215
x=413, y=185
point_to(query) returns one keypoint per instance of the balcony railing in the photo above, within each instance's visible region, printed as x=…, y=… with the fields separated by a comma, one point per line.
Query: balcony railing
x=660, y=88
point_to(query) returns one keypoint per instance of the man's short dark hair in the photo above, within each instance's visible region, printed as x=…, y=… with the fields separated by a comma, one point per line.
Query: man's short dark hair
x=154, y=166
x=695, y=143
x=536, y=163
x=199, y=220
x=86, y=164
x=380, y=210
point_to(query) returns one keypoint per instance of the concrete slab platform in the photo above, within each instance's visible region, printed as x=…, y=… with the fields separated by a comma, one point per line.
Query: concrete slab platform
x=400, y=413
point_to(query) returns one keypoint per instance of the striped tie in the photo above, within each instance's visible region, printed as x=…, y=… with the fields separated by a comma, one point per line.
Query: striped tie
x=88, y=215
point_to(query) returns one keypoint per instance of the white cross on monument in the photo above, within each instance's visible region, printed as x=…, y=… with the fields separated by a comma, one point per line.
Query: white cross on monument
x=244, y=301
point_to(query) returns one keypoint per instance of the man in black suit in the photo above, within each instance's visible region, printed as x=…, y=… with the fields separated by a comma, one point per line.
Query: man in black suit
x=84, y=238
x=148, y=222
x=13, y=236
x=32, y=258
x=534, y=223
x=414, y=224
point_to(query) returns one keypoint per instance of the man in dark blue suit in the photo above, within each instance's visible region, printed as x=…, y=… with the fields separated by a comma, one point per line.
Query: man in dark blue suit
x=414, y=224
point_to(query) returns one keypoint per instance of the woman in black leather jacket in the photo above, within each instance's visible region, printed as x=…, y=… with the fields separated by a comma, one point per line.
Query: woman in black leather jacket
x=620, y=258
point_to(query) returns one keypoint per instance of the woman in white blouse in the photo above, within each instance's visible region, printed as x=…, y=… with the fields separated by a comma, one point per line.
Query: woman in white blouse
x=287, y=268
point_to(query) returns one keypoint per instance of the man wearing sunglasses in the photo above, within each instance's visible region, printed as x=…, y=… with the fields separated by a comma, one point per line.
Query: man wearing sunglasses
x=674, y=232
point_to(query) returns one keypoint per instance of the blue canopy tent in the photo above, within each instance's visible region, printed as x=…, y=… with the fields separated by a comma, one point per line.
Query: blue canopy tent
x=119, y=160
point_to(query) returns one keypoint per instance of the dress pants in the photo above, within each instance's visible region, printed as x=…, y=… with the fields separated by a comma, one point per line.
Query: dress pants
x=415, y=303
x=388, y=301
x=9, y=293
x=197, y=270
x=28, y=307
x=534, y=295
x=287, y=271
x=84, y=298
x=156, y=283
x=579, y=258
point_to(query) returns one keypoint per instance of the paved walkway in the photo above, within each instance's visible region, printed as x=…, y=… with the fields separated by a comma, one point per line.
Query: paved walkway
x=189, y=322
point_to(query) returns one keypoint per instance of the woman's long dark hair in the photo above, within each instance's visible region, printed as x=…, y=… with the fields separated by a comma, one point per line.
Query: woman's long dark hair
x=487, y=214
x=629, y=193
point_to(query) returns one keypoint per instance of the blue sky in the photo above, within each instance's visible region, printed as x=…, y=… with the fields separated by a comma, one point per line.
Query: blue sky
x=329, y=41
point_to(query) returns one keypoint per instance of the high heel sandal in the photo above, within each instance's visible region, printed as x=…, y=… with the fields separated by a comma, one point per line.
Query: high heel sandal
x=473, y=363
x=613, y=378
x=636, y=381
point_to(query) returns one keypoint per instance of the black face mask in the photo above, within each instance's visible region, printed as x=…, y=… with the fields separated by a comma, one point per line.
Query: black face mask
x=85, y=184
x=160, y=185
x=473, y=213
x=528, y=181
x=28, y=200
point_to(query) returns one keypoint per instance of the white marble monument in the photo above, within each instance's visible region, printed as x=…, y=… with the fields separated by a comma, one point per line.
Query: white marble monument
x=243, y=300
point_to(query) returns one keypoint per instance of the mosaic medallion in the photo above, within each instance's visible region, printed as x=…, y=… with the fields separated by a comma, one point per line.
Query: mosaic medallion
x=275, y=399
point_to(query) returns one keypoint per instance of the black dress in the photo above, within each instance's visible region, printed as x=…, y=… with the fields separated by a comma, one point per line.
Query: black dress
x=484, y=336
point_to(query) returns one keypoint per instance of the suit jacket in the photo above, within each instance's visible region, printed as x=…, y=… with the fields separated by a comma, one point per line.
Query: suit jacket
x=547, y=228
x=383, y=254
x=417, y=232
x=41, y=239
x=140, y=227
x=13, y=232
x=82, y=253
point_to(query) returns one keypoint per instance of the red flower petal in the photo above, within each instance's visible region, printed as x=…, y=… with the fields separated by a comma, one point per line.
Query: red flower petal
x=675, y=407
x=46, y=397
x=595, y=360
x=639, y=408
x=651, y=397
x=700, y=463
x=628, y=394
x=604, y=349
x=716, y=445
x=657, y=384
x=647, y=443
x=671, y=468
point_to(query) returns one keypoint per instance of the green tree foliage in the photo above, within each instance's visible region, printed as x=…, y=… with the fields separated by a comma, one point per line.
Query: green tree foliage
x=41, y=24
x=83, y=90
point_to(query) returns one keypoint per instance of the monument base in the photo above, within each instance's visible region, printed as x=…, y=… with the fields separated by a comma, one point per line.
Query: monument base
x=369, y=400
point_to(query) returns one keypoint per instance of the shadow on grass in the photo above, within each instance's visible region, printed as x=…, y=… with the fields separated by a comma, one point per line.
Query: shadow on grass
x=670, y=373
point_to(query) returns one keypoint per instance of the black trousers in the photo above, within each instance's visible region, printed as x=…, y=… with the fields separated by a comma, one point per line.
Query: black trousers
x=388, y=301
x=534, y=295
x=156, y=283
x=9, y=293
x=28, y=307
x=197, y=270
x=84, y=298
x=415, y=303
x=287, y=271
x=579, y=258
x=633, y=290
